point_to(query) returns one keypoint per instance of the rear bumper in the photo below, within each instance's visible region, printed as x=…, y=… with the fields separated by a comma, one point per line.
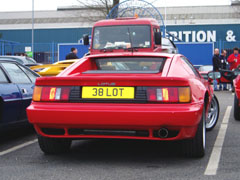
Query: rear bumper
x=183, y=118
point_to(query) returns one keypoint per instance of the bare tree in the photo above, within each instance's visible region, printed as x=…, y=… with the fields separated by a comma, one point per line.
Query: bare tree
x=101, y=6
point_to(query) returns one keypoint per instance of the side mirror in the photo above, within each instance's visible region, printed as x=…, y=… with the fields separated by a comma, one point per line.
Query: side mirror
x=157, y=38
x=214, y=75
x=86, y=39
x=236, y=72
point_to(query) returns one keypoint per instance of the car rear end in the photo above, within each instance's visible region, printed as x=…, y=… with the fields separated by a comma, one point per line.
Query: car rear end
x=120, y=97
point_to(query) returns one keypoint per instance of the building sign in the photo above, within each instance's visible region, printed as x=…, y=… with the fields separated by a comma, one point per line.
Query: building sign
x=28, y=48
x=205, y=33
x=195, y=36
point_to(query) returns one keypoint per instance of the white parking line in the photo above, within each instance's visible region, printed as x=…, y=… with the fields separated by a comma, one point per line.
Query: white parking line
x=2, y=153
x=213, y=162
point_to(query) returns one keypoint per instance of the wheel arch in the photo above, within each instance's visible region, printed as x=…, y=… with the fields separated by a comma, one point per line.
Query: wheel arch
x=206, y=101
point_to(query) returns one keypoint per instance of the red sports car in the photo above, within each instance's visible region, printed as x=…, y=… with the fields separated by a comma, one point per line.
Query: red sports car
x=236, y=83
x=132, y=95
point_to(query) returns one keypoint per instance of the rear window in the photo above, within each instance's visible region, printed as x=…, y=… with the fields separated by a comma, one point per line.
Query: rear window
x=129, y=65
x=3, y=78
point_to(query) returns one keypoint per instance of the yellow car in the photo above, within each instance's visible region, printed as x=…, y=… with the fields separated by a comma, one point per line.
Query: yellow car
x=52, y=69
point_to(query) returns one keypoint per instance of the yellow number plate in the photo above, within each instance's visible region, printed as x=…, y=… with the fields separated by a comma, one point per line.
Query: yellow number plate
x=89, y=92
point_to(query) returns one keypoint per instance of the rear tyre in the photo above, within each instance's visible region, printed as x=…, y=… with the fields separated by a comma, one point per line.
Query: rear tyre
x=54, y=145
x=1, y=109
x=236, y=108
x=213, y=114
x=196, y=147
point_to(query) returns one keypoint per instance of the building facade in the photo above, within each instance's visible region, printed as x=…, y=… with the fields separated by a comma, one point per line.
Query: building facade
x=218, y=24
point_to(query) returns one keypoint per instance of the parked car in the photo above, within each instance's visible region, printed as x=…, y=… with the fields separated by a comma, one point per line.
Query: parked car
x=16, y=89
x=236, y=84
x=52, y=69
x=168, y=46
x=148, y=96
x=226, y=75
x=197, y=66
x=204, y=70
x=27, y=61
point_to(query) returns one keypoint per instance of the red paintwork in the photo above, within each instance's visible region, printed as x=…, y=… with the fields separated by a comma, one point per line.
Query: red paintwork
x=116, y=116
x=223, y=80
x=128, y=21
x=127, y=116
x=236, y=83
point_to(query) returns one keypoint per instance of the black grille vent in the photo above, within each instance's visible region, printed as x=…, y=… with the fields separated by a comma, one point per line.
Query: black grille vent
x=75, y=94
x=53, y=131
x=108, y=132
x=140, y=96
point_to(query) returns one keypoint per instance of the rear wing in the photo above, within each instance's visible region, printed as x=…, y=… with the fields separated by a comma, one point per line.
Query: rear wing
x=114, y=80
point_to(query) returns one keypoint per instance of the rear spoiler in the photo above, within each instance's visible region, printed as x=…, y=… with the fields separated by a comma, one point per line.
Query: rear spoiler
x=112, y=81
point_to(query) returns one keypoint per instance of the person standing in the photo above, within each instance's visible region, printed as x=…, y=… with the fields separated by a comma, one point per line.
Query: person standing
x=216, y=63
x=72, y=54
x=234, y=61
x=223, y=65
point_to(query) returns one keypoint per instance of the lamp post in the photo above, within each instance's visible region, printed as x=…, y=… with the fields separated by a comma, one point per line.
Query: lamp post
x=33, y=28
x=165, y=9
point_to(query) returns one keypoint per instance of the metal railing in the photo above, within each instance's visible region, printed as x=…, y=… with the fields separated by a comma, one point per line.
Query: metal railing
x=48, y=52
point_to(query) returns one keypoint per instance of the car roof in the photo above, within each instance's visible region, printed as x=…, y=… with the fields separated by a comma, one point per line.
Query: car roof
x=24, y=59
x=21, y=57
x=9, y=60
x=126, y=21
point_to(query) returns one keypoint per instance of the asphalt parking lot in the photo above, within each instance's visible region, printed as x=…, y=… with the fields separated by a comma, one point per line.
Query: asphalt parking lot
x=21, y=158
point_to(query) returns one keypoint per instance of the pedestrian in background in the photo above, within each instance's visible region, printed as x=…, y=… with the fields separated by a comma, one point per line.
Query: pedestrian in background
x=234, y=61
x=223, y=66
x=72, y=54
x=216, y=65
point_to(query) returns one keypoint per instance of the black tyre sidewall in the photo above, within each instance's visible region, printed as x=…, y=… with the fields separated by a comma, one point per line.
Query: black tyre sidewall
x=236, y=108
x=195, y=147
x=54, y=145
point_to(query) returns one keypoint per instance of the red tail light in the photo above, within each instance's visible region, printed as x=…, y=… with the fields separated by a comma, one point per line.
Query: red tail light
x=169, y=94
x=154, y=94
x=51, y=93
x=65, y=93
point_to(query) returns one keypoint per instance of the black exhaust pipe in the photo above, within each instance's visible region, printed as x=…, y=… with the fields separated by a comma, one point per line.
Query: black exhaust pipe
x=163, y=133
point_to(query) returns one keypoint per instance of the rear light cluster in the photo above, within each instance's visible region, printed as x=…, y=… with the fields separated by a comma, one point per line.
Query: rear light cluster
x=169, y=94
x=51, y=93
x=154, y=94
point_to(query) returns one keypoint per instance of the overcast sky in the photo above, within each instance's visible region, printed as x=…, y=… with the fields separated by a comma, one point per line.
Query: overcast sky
x=26, y=5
